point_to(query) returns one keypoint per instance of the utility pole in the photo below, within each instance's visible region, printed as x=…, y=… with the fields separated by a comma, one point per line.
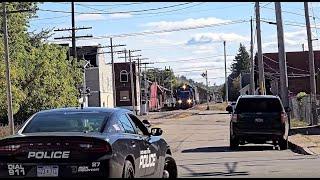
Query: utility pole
x=252, y=85
x=314, y=118
x=225, y=70
x=113, y=75
x=260, y=57
x=282, y=58
x=111, y=46
x=8, y=79
x=207, y=90
x=303, y=47
x=133, y=100
x=139, y=77
x=145, y=89
x=144, y=106
x=73, y=31
x=74, y=48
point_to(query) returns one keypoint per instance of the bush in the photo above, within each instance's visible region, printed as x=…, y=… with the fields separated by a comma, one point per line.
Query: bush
x=301, y=95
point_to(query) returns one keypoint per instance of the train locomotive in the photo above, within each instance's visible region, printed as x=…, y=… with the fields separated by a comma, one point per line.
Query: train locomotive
x=185, y=97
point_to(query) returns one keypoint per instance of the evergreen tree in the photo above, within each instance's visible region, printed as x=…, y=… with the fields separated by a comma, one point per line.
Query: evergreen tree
x=241, y=62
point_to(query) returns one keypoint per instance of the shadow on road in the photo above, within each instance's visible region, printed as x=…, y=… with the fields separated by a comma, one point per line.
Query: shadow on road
x=211, y=113
x=227, y=149
x=231, y=171
x=218, y=174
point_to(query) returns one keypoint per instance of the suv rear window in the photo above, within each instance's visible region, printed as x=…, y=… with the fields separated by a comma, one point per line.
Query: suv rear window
x=258, y=105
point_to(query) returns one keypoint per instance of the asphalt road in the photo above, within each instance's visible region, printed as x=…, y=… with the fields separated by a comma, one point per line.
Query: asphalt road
x=200, y=145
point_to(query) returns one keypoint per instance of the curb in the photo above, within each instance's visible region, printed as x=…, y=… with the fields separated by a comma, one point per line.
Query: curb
x=299, y=149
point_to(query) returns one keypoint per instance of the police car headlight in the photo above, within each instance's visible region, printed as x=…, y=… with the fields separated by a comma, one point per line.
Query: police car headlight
x=189, y=100
x=179, y=101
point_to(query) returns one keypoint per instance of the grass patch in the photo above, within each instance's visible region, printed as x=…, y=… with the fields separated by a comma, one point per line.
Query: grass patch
x=212, y=106
x=298, y=123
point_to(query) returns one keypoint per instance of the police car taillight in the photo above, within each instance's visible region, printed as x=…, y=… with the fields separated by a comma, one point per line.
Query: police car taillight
x=9, y=148
x=101, y=147
x=235, y=117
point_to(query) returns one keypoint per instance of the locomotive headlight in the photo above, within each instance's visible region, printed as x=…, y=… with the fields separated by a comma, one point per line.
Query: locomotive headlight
x=189, y=101
x=179, y=101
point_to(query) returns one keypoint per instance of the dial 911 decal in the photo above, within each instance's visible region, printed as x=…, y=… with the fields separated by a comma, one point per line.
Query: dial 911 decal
x=16, y=170
x=147, y=159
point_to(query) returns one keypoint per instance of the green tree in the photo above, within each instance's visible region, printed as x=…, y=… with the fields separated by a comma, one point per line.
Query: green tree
x=41, y=76
x=241, y=62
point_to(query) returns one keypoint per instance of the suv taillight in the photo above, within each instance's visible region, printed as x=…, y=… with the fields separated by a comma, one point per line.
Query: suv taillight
x=284, y=117
x=235, y=117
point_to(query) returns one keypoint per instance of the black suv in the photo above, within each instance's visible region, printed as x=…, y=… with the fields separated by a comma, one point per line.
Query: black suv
x=258, y=119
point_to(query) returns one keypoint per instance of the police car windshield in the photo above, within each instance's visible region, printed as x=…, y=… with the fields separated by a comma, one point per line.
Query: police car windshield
x=66, y=122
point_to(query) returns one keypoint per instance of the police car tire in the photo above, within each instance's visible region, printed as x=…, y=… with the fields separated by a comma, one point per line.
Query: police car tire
x=171, y=166
x=128, y=170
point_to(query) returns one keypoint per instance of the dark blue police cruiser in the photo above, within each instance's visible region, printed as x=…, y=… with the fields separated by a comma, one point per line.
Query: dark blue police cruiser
x=86, y=142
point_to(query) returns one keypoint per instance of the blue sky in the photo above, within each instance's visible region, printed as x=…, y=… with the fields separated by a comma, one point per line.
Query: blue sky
x=187, y=52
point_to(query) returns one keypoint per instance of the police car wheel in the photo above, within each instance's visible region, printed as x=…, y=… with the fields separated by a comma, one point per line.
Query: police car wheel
x=128, y=171
x=170, y=167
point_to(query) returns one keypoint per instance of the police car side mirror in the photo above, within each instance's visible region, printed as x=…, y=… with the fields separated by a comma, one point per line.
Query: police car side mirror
x=146, y=123
x=156, y=131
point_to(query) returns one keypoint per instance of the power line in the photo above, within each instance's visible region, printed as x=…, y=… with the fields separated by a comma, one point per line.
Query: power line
x=195, y=70
x=289, y=12
x=170, y=30
x=136, y=14
x=57, y=17
x=208, y=57
x=127, y=4
x=315, y=24
x=287, y=65
x=119, y=12
x=164, y=13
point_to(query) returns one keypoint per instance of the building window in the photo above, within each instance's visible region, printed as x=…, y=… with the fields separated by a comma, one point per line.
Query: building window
x=124, y=96
x=123, y=76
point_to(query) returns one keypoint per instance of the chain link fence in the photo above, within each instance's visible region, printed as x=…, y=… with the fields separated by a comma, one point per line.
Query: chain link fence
x=301, y=108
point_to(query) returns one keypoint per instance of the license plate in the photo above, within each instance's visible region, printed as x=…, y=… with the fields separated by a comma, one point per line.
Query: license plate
x=47, y=171
x=258, y=120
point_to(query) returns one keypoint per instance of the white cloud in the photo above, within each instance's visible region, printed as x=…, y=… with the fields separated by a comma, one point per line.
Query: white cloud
x=120, y=16
x=88, y=17
x=160, y=25
x=293, y=41
x=204, y=38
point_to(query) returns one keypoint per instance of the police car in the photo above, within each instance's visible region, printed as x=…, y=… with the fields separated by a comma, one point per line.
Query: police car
x=86, y=142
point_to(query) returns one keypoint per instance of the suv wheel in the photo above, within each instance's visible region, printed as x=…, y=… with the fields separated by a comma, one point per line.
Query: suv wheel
x=234, y=142
x=283, y=144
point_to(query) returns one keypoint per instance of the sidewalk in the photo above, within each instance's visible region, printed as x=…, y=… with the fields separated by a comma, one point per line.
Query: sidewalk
x=305, y=140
